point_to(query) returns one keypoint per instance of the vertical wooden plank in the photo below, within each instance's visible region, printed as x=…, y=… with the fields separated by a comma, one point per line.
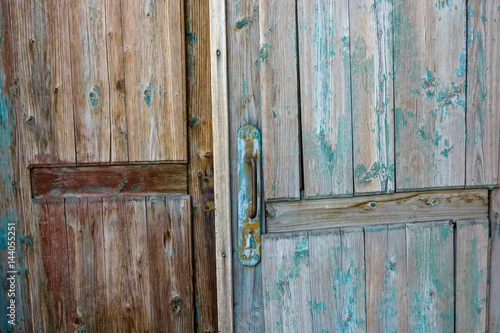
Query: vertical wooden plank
x=280, y=107
x=325, y=98
x=201, y=163
x=371, y=47
x=471, y=255
x=483, y=129
x=116, y=72
x=430, y=93
x=46, y=82
x=244, y=101
x=286, y=280
x=325, y=257
x=89, y=73
x=153, y=41
x=430, y=293
x=352, y=281
x=494, y=262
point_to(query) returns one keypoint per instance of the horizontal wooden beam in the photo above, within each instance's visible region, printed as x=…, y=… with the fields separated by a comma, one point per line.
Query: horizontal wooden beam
x=103, y=181
x=378, y=209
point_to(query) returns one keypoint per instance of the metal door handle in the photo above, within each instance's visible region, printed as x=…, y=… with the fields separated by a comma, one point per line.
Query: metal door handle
x=250, y=159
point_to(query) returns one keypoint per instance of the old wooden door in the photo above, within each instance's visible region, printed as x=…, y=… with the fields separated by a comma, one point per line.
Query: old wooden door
x=94, y=166
x=380, y=123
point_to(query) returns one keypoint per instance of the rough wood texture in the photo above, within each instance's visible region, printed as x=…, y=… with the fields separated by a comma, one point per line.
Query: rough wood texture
x=102, y=181
x=201, y=163
x=483, y=129
x=430, y=293
x=494, y=262
x=280, y=105
x=89, y=75
x=385, y=250
x=286, y=281
x=153, y=42
x=222, y=194
x=393, y=208
x=371, y=47
x=471, y=255
x=325, y=97
x=430, y=93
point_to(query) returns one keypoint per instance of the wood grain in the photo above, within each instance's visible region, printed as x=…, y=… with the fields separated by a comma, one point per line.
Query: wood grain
x=471, y=275
x=372, y=86
x=430, y=93
x=101, y=181
x=325, y=98
x=483, y=129
x=393, y=208
x=430, y=274
x=494, y=263
x=153, y=43
x=279, y=95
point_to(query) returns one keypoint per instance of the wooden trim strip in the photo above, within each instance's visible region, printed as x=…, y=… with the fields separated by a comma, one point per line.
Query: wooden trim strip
x=103, y=181
x=218, y=61
x=379, y=209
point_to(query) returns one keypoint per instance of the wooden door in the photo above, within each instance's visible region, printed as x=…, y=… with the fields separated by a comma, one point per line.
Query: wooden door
x=95, y=97
x=380, y=123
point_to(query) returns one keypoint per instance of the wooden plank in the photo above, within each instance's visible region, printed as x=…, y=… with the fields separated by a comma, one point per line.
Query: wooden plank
x=386, y=209
x=325, y=100
x=222, y=194
x=325, y=267
x=430, y=291
x=201, y=163
x=430, y=95
x=102, y=181
x=483, y=129
x=244, y=101
x=471, y=255
x=286, y=280
x=370, y=29
x=46, y=82
x=280, y=105
x=153, y=42
x=385, y=249
x=494, y=262
x=89, y=75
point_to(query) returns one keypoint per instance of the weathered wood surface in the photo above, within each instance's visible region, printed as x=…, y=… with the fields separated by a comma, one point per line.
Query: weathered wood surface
x=279, y=95
x=372, y=84
x=430, y=93
x=102, y=181
x=494, y=263
x=392, y=208
x=472, y=246
x=201, y=163
x=325, y=97
x=483, y=99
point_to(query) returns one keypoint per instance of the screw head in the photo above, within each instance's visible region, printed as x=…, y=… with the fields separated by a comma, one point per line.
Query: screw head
x=223, y=255
x=218, y=52
x=256, y=257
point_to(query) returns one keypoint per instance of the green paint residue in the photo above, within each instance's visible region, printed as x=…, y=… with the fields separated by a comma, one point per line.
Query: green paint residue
x=148, y=94
x=94, y=96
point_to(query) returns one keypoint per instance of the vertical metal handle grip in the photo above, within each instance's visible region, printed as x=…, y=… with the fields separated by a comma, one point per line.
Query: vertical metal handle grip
x=250, y=159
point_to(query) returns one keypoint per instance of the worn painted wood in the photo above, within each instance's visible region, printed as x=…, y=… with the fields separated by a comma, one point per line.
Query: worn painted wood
x=385, y=258
x=483, y=129
x=393, y=208
x=472, y=246
x=201, y=163
x=325, y=98
x=279, y=96
x=494, y=263
x=222, y=194
x=46, y=81
x=153, y=43
x=286, y=281
x=430, y=93
x=101, y=181
x=430, y=291
x=89, y=76
x=372, y=84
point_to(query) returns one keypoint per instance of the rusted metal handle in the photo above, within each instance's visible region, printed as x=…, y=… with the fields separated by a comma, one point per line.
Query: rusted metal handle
x=250, y=159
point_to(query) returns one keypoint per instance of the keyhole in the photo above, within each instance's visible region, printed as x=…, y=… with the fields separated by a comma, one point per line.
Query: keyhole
x=251, y=240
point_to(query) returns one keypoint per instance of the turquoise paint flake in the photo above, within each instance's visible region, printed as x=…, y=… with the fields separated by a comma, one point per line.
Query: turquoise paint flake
x=148, y=94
